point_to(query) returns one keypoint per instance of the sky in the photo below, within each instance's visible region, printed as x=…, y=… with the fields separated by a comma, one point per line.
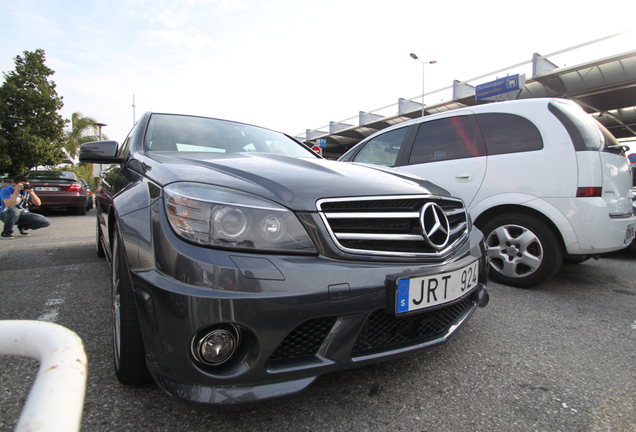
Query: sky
x=290, y=65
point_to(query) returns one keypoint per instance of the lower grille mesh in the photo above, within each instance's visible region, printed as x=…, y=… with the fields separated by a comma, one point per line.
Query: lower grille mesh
x=305, y=339
x=383, y=329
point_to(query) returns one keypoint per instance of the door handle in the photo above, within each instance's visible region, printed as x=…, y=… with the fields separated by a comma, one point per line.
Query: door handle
x=464, y=177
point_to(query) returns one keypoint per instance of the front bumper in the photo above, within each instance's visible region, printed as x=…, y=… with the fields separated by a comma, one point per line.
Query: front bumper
x=299, y=316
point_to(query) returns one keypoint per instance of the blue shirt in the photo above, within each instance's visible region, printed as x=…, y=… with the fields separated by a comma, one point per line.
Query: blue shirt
x=20, y=202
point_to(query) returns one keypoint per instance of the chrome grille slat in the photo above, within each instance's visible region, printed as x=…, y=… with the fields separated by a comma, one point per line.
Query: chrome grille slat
x=353, y=236
x=454, y=212
x=371, y=215
x=459, y=227
x=390, y=225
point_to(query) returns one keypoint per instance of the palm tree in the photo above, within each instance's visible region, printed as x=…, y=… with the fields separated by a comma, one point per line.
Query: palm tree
x=80, y=133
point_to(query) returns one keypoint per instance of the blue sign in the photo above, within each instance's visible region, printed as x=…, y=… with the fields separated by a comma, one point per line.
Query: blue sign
x=497, y=87
x=321, y=142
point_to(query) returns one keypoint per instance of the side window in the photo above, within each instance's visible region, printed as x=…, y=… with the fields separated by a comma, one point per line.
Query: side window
x=509, y=133
x=445, y=139
x=383, y=149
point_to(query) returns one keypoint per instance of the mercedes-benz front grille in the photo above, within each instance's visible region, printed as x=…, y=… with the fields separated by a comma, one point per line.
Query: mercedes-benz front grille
x=423, y=225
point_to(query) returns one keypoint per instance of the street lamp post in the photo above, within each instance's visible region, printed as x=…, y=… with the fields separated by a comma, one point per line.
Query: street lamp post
x=99, y=125
x=413, y=56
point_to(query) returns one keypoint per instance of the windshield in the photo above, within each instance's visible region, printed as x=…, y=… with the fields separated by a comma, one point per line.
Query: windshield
x=176, y=133
x=50, y=175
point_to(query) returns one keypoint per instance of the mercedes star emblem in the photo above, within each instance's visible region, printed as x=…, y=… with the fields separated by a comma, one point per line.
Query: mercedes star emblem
x=435, y=226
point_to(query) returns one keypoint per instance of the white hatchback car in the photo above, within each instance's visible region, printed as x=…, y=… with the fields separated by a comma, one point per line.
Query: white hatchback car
x=542, y=180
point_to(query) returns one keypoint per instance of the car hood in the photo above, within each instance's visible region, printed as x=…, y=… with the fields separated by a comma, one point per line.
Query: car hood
x=296, y=183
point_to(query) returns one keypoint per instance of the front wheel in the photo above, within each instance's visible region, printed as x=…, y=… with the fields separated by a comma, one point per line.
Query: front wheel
x=98, y=241
x=128, y=346
x=523, y=250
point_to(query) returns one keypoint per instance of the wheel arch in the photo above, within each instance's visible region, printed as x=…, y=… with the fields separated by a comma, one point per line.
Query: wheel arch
x=499, y=210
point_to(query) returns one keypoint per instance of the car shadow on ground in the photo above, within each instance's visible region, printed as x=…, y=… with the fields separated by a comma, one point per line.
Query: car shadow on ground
x=60, y=212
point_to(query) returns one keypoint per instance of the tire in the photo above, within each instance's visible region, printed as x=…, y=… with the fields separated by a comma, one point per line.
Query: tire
x=99, y=246
x=80, y=211
x=128, y=347
x=523, y=250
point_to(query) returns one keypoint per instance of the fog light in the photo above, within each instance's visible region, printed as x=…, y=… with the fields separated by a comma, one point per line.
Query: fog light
x=216, y=347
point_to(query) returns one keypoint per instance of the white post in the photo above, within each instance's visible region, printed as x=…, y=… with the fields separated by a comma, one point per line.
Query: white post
x=56, y=399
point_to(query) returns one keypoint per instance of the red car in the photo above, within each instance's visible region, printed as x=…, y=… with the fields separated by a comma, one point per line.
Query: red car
x=59, y=190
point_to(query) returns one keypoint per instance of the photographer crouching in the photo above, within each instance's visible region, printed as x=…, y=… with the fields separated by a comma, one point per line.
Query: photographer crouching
x=15, y=200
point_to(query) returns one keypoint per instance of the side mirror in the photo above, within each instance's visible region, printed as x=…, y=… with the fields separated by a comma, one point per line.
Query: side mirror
x=100, y=152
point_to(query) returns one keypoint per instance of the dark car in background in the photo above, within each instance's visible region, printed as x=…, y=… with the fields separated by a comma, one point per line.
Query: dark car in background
x=89, y=194
x=59, y=190
x=244, y=265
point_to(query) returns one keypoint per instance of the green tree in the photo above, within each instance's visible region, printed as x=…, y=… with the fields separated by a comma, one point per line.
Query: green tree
x=83, y=130
x=31, y=129
x=85, y=171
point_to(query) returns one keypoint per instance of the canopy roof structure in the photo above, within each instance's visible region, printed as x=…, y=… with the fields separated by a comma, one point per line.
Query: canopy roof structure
x=605, y=88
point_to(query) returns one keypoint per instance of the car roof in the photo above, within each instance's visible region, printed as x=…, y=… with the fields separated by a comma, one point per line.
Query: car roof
x=488, y=107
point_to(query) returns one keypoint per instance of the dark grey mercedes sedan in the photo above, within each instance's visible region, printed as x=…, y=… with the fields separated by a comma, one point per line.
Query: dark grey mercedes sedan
x=244, y=265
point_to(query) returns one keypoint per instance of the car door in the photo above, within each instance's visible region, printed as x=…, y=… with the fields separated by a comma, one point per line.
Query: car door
x=519, y=163
x=449, y=152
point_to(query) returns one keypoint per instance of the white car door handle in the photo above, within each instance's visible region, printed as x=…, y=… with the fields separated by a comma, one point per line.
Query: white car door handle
x=464, y=177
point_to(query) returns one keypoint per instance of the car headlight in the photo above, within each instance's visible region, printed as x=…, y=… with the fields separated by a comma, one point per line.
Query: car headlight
x=222, y=217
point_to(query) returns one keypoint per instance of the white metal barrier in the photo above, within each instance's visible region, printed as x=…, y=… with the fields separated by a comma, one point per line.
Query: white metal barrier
x=56, y=399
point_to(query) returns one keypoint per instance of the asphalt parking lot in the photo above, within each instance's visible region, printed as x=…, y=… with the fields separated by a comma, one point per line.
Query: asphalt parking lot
x=559, y=357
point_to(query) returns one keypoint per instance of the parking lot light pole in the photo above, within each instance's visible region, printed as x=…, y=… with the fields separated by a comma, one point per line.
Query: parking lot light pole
x=413, y=56
x=100, y=125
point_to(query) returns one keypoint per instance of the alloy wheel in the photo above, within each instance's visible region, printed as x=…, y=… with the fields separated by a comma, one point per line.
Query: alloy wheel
x=514, y=251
